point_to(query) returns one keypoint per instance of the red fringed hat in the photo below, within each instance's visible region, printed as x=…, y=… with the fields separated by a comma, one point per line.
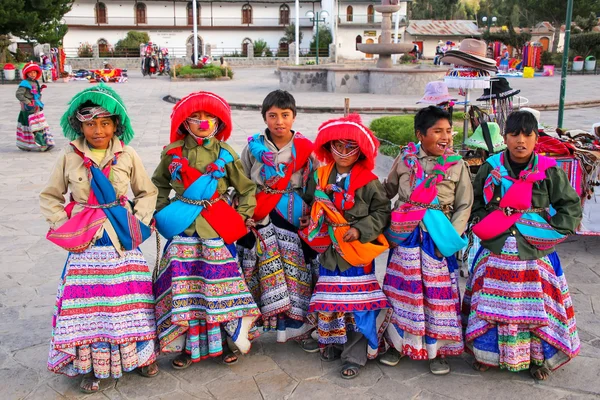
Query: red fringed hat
x=201, y=101
x=29, y=67
x=346, y=128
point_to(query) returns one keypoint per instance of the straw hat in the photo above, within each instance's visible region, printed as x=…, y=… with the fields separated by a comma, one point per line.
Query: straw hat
x=471, y=53
x=436, y=92
x=487, y=137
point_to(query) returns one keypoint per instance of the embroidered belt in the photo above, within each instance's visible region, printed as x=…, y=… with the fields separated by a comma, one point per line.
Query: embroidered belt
x=335, y=225
x=120, y=201
x=446, y=208
x=508, y=211
x=269, y=190
x=202, y=203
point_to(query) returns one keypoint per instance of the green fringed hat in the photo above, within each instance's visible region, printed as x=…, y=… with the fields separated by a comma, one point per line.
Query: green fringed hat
x=103, y=96
x=487, y=137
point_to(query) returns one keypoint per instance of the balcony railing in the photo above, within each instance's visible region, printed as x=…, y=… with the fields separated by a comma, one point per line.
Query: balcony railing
x=182, y=21
x=375, y=19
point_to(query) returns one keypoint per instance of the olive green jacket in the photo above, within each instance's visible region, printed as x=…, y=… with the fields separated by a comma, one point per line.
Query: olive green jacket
x=370, y=216
x=199, y=157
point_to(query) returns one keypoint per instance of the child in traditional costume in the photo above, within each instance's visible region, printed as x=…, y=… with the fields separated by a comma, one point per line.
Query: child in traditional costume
x=278, y=266
x=104, y=318
x=33, y=133
x=517, y=310
x=201, y=297
x=434, y=202
x=349, y=213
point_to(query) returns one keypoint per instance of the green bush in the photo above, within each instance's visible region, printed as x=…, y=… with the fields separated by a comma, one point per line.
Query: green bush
x=549, y=58
x=397, y=131
x=208, y=71
x=586, y=44
x=260, y=46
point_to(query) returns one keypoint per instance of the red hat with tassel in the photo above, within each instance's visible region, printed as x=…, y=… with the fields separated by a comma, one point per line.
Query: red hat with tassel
x=347, y=128
x=201, y=101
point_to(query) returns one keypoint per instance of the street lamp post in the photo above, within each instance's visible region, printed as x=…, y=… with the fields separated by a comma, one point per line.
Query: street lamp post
x=489, y=22
x=317, y=17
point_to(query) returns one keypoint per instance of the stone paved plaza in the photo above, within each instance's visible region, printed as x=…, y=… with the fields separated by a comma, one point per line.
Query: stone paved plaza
x=30, y=267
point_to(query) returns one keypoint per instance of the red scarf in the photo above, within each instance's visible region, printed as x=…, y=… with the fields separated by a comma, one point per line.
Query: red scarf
x=266, y=202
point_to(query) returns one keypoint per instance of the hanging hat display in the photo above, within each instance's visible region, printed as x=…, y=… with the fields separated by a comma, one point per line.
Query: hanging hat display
x=471, y=53
x=487, y=136
x=436, y=93
x=106, y=102
x=467, y=78
x=348, y=128
x=201, y=101
x=32, y=67
x=500, y=89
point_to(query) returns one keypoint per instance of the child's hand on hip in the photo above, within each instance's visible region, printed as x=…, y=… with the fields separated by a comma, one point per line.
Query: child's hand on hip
x=304, y=222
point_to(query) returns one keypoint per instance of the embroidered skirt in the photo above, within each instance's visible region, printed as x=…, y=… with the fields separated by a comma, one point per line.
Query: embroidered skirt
x=32, y=141
x=200, y=295
x=423, y=291
x=104, y=315
x=279, y=278
x=519, y=312
x=349, y=301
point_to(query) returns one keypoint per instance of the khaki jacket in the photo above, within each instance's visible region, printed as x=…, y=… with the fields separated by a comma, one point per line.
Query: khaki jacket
x=70, y=175
x=455, y=190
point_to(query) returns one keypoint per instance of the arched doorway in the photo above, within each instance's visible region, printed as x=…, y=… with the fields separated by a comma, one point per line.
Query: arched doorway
x=103, y=48
x=245, y=44
x=368, y=42
x=190, y=46
x=358, y=41
x=545, y=43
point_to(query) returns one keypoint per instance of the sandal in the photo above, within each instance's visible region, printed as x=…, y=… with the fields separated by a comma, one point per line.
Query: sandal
x=182, y=361
x=149, y=371
x=439, y=366
x=477, y=366
x=391, y=358
x=330, y=353
x=231, y=356
x=90, y=384
x=541, y=373
x=309, y=345
x=350, y=371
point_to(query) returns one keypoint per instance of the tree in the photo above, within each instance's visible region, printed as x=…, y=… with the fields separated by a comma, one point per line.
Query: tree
x=509, y=37
x=585, y=24
x=325, y=39
x=260, y=45
x=289, y=34
x=554, y=11
x=30, y=19
x=585, y=44
x=133, y=40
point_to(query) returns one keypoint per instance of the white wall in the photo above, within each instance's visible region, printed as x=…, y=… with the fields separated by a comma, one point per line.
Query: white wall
x=175, y=37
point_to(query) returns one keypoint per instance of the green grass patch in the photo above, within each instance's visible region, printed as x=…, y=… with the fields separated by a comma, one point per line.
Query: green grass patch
x=208, y=71
x=397, y=131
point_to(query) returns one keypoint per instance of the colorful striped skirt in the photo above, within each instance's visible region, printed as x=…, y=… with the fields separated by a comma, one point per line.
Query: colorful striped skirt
x=280, y=279
x=104, y=315
x=200, y=297
x=423, y=291
x=349, y=301
x=32, y=141
x=519, y=312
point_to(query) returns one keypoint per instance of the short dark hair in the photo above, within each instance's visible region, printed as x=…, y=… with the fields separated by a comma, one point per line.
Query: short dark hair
x=521, y=122
x=428, y=116
x=278, y=98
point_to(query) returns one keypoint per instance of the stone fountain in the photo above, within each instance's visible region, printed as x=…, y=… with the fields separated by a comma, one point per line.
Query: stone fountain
x=383, y=78
x=386, y=48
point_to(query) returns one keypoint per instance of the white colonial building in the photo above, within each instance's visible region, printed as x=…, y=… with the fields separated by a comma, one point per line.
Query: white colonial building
x=228, y=26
